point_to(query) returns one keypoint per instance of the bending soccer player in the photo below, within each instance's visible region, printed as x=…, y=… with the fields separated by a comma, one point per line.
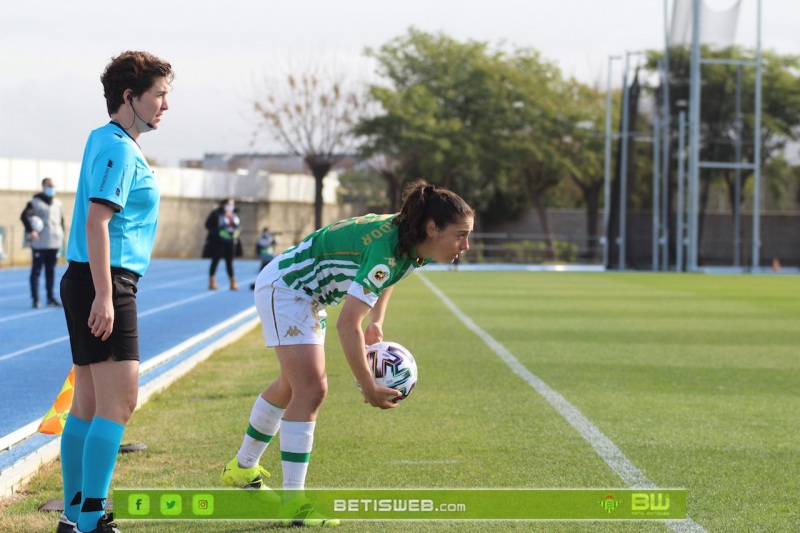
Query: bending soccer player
x=356, y=260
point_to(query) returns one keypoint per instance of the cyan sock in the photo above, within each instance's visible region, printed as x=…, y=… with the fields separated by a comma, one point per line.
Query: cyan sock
x=72, y=441
x=99, y=457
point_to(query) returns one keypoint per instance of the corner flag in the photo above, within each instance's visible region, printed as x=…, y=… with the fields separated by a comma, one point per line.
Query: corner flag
x=54, y=419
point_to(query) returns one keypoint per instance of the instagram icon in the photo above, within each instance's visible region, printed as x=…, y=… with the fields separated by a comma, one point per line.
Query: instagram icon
x=202, y=504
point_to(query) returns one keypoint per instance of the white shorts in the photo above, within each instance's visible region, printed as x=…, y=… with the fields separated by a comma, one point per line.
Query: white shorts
x=288, y=317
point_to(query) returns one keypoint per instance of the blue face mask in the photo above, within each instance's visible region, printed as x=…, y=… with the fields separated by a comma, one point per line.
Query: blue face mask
x=49, y=191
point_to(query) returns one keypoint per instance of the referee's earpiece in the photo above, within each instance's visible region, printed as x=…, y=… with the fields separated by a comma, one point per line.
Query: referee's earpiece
x=130, y=99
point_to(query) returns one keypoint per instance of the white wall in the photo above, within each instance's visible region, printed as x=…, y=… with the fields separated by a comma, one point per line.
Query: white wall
x=27, y=175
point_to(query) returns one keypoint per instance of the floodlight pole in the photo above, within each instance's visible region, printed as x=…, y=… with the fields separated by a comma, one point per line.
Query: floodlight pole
x=607, y=175
x=666, y=138
x=623, y=175
x=694, y=140
x=757, y=150
x=656, y=199
x=680, y=230
x=737, y=184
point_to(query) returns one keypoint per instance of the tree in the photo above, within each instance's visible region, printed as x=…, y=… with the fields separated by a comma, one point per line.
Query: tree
x=585, y=145
x=462, y=115
x=389, y=169
x=544, y=129
x=433, y=111
x=312, y=117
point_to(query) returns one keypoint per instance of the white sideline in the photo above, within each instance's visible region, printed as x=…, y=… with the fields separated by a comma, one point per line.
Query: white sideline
x=631, y=475
x=15, y=477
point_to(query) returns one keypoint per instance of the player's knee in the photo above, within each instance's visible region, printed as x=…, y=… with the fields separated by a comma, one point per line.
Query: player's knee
x=315, y=394
x=122, y=409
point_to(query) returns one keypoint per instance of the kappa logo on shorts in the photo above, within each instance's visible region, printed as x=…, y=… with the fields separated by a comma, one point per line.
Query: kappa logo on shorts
x=293, y=331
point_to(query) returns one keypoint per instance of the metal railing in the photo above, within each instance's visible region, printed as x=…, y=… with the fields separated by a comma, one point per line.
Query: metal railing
x=530, y=248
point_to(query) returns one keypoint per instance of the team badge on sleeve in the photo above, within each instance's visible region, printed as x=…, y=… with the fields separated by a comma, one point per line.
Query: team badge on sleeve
x=379, y=275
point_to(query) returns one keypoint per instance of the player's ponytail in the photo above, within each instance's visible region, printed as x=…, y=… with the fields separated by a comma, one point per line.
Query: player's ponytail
x=422, y=202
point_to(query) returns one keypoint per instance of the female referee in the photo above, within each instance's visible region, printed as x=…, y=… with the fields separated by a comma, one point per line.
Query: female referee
x=361, y=258
x=111, y=239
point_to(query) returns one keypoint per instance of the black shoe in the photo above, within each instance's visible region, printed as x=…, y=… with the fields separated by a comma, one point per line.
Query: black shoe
x=105, y=524
x=52, y=302
x=36, y=304
x=65, y=525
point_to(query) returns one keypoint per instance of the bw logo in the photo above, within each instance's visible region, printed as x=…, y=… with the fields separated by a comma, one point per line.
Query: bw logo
x=293, y=331
x=651, y=501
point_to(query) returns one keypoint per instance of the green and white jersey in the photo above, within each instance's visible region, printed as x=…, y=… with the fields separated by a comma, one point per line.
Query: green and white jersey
x=355, y=256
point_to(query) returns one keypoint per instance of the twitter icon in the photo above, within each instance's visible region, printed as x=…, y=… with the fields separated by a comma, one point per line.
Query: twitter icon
x=170, y=504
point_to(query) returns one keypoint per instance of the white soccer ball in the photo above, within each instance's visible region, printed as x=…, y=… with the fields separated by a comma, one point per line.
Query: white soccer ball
x=37, y=224
x=392, y=365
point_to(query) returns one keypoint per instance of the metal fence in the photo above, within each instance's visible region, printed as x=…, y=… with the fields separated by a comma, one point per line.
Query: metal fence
x=532, y=248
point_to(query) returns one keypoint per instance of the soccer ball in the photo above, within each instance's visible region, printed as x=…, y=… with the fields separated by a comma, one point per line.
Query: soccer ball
x=392, y=365
x=37, y=224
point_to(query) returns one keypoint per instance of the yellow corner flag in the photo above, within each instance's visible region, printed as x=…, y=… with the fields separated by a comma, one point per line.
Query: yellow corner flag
x=54, y=419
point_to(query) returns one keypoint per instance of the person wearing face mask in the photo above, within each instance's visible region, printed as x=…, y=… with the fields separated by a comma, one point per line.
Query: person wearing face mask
x=223, y=242
x=265, y=250
x=43, y=218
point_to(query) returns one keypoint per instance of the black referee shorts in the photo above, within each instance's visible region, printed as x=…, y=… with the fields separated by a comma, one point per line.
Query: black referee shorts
x=77, y=295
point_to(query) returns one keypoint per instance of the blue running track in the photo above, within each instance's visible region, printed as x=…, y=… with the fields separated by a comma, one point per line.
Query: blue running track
x=178, y=315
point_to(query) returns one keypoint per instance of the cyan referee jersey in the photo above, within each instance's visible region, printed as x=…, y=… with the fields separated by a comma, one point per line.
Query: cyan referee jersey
x=115, y=172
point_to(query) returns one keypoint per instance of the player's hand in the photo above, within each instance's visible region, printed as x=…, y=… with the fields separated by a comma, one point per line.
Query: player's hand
x=101, y=317
x=380, y=396
x=34, y=235
x=373, y=334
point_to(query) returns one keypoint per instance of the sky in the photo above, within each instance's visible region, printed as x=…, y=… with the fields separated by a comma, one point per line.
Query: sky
x=224, y=54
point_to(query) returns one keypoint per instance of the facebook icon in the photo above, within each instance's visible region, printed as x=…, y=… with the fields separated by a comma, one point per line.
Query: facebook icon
x=139, y=504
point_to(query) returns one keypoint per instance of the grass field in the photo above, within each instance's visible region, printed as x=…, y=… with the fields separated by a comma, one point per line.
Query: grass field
x=693, y=377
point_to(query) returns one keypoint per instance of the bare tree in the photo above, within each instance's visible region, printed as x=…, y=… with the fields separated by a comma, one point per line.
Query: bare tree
x=312, y=116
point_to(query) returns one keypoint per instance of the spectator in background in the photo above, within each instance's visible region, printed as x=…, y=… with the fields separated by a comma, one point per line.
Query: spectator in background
x=222, y=241
x=265, y=250
x=43, y=218
x=265, y=247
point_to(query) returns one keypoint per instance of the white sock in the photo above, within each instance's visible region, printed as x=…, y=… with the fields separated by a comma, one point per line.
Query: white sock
x=265, y=420
x=297, y=439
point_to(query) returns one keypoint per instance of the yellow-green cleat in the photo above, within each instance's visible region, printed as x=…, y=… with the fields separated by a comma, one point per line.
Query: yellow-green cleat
x=234, y=475
x=300, y=512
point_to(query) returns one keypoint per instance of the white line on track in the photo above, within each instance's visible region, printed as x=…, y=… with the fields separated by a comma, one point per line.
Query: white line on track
x=26, y=314
x=65, y=338
x=177, y=303
x=19, y=296
x=631, y=475
x=34, y=347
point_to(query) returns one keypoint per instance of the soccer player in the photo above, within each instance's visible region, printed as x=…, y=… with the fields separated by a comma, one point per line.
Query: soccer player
x=111, y=240
x=356, y=260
